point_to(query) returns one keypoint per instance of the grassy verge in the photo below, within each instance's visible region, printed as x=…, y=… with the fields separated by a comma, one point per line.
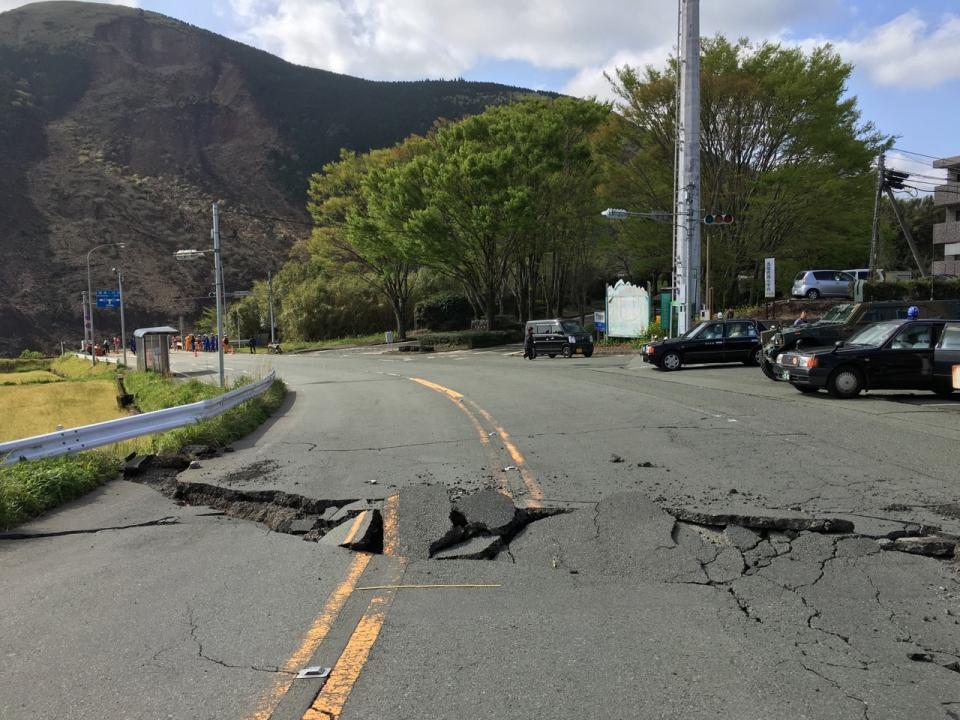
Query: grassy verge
x=28, y=489
x=28, y=377
x=12, y=365
x=73, y=368
x=353, y=341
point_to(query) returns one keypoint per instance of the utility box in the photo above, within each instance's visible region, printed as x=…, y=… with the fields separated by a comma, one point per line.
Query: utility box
x=153, y=348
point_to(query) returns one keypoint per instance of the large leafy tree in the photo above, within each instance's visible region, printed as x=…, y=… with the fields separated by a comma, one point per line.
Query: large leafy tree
x=494, y=192
x=355, y=240
x=783, y=149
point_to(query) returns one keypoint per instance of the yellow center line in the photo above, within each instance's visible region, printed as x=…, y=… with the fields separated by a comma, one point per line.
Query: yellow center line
x=457, y=400
x=328, y=705
x=354, y=528
x=533, y=487
x=314, y=636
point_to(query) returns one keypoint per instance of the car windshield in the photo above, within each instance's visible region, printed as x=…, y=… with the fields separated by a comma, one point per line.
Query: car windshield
x=694, y=331
x=838, y=314
x=874, y=335
x=571, y=327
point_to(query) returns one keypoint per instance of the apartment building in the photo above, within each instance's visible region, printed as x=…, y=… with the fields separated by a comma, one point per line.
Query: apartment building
x=946, y=235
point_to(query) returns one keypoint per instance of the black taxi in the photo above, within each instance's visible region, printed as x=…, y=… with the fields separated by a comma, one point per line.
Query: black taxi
x=892, y=355
x=712, y=341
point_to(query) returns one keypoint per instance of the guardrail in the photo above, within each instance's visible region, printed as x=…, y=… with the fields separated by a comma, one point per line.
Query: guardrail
x=87, y=437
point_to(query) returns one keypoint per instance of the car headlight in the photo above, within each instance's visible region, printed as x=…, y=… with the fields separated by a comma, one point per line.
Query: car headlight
x=571, y=339
x=780, y=359
x=650, y=349
x=807, y=361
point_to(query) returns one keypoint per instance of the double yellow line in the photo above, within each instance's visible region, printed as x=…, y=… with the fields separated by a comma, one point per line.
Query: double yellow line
x=332, y=698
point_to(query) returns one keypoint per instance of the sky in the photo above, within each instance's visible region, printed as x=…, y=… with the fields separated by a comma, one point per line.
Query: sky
x=906, y=54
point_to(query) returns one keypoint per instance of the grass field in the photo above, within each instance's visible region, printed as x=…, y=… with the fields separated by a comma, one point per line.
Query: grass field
x=73, y=368
x=28, y=377
x=36, y=409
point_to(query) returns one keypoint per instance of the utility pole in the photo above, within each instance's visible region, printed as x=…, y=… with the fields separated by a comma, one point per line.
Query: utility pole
x=86, y=321
x=906, y=230
x=123, y=319
x=218, y=285
x=273, y=339
x=687, y=228
x=875, y=233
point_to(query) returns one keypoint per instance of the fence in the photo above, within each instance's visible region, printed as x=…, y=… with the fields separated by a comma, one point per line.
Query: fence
x=87, y=437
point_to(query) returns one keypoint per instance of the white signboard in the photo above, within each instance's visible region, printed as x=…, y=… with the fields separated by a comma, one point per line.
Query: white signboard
x=769, y=277
x=628, y=310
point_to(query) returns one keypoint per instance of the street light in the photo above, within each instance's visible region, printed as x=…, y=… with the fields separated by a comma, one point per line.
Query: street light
x=190, y=255
x=123, y=319
x=93, y=349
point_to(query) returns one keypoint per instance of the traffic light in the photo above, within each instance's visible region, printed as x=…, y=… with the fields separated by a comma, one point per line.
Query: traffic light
x=894, y=179
x=718, y=219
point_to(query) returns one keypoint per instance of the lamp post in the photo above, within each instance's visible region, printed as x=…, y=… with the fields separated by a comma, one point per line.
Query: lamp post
x=93, y=353
x=123, y=319
x=185, y=255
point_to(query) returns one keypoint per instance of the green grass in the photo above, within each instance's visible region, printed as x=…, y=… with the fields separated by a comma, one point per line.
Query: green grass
x=29, y=489
x=351, y=341
x=71, y=367
x=12, y=365
x=468, y=338
x=28, y=377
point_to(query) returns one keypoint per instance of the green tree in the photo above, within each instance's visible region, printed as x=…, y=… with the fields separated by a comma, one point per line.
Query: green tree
x=783, y=149
x=920, y=215
x=492, y=188
x=357, y=241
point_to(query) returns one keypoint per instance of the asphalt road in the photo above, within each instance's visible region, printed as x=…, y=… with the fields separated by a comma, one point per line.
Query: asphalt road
x=608, y=610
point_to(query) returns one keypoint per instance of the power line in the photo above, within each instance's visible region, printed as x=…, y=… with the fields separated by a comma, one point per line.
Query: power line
x=911, y=152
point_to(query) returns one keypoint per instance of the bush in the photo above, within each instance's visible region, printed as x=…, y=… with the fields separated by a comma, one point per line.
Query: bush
x=443, y=312
x=922, y=289
x=470, y=338
x=31, y=355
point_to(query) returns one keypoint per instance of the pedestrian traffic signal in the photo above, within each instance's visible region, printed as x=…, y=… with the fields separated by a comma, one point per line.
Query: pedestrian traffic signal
x=894, y=179
x=718, y=219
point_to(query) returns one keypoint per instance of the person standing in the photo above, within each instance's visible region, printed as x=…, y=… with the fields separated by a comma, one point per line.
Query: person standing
x=802, y=320
x=253, y=345
x=529, y=348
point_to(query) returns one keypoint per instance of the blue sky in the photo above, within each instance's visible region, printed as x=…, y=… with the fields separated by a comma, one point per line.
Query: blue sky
x=906, y=54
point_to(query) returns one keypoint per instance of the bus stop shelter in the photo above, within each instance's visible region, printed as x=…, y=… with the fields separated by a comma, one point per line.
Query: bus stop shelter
x=153, y=348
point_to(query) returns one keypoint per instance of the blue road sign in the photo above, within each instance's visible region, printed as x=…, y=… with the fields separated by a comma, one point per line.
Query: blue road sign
x=108, y=298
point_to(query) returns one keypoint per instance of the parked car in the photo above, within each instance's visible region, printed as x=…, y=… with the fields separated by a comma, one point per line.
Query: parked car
x=713, y=341
x=859, y=273
x=560, y=337
x=813, y=284
x=896, y=354
x=842, y=321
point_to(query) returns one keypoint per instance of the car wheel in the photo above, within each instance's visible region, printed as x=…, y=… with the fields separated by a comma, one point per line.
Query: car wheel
x=756, y=357
x=588, y=353
x=813, y=294
x=767, y=368
x=567, y=351
x=807, y=389
x=670, y=361
x=551, y=355
x=845, y=382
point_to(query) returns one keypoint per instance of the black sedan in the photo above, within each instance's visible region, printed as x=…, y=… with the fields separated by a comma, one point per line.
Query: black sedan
x=714, y=341
x=893, y=355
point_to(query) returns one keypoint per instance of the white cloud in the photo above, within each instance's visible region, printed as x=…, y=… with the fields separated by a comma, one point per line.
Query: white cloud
x=405, y=39
x=907, y=52
x=925, y=177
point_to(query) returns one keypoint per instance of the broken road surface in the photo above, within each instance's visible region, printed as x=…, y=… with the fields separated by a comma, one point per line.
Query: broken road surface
x=769, y=567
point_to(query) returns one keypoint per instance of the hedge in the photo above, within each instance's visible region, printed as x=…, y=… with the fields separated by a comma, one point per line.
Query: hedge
x=443, y=312
x=942, y=289
x=470, y=338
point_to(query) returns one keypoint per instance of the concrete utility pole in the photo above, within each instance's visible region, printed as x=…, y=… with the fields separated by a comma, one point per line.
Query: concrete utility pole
x=218, y=285
x=86, y=321
x=687, y=227
x=123, y=319
x=874, y=235
x=273, y=338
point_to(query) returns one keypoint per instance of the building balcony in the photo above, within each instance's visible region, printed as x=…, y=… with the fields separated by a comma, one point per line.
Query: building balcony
x=948, y=232
x=948, y=194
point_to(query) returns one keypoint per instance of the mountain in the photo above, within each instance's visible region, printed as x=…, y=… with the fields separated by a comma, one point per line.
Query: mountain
x=121, y=125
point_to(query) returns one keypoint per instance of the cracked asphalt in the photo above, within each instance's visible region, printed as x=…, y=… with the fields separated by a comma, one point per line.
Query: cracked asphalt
x=128, y=604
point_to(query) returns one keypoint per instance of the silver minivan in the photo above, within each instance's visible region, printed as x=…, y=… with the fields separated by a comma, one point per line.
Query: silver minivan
x=823, y=283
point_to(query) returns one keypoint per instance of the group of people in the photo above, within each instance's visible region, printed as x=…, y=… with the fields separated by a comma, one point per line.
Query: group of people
x=106, y=346
x=201, y=342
